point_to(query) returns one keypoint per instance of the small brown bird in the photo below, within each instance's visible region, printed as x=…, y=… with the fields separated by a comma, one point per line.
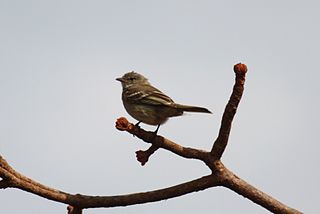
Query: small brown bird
x=149, y=105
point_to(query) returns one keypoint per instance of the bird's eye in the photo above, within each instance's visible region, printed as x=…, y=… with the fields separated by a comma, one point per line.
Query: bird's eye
x=132, y=78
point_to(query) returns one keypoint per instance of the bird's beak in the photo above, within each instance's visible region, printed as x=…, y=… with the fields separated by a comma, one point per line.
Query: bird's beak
x=120, y=79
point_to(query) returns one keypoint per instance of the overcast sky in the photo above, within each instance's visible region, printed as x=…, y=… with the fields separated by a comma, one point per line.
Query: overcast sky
x=59, y=98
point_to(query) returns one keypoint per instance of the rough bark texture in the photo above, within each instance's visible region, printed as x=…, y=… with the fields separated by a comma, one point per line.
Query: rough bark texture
x=220, y=175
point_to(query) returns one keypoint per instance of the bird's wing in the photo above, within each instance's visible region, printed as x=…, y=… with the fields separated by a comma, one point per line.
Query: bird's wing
x=151, y=96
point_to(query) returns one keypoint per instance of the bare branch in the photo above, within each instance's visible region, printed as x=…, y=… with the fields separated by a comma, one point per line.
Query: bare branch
x=152, y=196
x=84, y=201
x=143, y=156
x=221, y=142
x=241, y=187
x=17, y=180
x=220, y=176
x=157, y=141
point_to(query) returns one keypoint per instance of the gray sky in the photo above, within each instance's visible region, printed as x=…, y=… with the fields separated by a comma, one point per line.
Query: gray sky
x=59, y=98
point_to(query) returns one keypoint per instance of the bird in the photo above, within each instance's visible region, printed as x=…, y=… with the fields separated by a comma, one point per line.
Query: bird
x=149, y=105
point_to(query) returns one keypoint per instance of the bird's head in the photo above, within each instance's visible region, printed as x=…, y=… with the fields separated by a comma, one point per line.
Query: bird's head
x=132, y=78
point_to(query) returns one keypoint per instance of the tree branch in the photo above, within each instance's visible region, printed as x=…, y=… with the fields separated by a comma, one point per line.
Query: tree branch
x=84, y=201
x=220, y=176
x=243, y=188
x=222, y=140
x=123, y=124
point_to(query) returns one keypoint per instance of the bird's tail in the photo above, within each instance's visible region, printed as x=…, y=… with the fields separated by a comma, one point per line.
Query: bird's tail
x=192, y=108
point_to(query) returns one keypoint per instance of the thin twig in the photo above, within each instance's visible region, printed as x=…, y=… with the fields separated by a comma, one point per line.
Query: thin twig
x=222, y=140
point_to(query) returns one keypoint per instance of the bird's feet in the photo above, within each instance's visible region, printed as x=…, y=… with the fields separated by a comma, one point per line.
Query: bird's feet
x=156, y=131
x=137, y=124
